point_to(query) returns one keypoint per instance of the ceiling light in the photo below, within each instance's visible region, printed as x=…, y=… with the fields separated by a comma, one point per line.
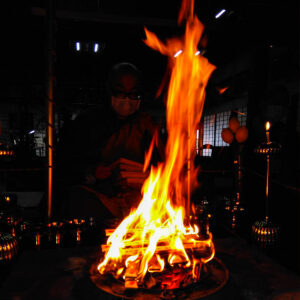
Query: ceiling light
x=178, y=53
x=77, y=46
x=96, y=47
x=220, y=13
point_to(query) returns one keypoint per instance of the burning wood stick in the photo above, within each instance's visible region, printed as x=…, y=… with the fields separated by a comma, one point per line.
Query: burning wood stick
x=136, y=248
x=131, y=274
x=109, y=232
x=133, y=244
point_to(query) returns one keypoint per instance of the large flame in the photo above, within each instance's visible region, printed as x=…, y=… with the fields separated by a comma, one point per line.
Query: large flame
x=158, y=222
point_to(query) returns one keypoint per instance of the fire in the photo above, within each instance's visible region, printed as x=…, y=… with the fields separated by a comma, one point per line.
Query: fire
x=155, y=237
x=222, y=90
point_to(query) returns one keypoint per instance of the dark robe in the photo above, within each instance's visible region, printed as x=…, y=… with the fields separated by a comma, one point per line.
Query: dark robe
x=96, y=137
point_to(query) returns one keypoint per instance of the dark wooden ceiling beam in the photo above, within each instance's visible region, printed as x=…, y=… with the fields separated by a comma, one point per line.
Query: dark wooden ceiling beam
x=105, y=18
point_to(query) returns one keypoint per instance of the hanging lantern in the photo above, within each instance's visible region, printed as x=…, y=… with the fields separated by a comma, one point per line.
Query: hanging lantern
x=241, y=134
x=227, y=135
x=234, y=124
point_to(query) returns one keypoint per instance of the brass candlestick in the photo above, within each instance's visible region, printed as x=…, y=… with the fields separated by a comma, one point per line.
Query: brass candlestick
x=265, y=232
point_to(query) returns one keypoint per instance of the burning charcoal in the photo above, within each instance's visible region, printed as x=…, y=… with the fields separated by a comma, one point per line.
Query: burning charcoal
x=174, y=279
x=187, y=280
x=154, y=268
x=119, y=273
x=156, y=264
x=111, y=267
x=131, y=274
x=131, y=283
x=150, y=282
x=132, y=270
x=176, y=259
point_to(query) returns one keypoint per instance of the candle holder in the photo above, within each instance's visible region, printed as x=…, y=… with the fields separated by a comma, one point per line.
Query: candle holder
x=202, y=217
x=6, y=152
x=234, y=210
x=8, y=247
x=264, y=231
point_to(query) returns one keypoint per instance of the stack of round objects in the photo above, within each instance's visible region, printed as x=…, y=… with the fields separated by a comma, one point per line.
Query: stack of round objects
x=266, y=233
x=266, y=148
x=6, y=151
x=8, y=247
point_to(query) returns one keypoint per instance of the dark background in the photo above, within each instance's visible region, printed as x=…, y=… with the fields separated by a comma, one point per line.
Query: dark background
x=255, y=46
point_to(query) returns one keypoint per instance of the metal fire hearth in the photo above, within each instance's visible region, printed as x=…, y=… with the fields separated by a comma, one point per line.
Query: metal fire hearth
x=213, y=279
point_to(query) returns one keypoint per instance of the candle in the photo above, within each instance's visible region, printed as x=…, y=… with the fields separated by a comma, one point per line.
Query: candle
x=268, y=126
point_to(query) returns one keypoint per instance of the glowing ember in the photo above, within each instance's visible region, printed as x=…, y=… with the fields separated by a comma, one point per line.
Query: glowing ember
x=153, y=243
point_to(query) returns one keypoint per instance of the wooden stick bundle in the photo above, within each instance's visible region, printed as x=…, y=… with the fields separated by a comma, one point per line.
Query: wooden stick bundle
x=134, y=248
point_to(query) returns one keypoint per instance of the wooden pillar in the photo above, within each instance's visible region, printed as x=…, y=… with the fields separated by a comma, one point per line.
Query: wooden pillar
x=50, y=81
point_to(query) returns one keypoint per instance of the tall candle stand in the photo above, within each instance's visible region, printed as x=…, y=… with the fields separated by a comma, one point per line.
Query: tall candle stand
x=264, y=231
x=233, y=203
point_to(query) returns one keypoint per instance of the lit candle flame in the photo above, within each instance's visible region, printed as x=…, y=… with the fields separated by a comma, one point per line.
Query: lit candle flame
x=268, y=126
